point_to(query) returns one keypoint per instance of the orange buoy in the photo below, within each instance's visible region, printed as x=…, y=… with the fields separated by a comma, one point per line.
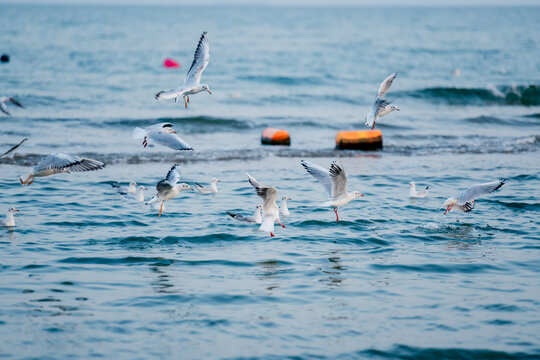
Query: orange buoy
x=170, y=63
x=272, y=136
x=361, y=140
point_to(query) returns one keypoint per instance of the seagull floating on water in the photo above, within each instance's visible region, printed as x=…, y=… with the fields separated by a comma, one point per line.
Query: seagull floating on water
x=130, y=189
x=192, y=80
x=5, y=100
x=283, y=209
x=381, y=107
x=168, y=189
x=270, y=210
x=255, y=219
x=413, y=193
x=335, y=183
x=464, y=202
x=10, y=219
x=137, y=196
x=162, y=134
x=58, y=163
x=13, y=148
x=212, y=189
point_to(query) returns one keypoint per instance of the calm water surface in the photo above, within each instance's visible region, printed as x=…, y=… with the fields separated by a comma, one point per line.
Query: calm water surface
x=87, y=274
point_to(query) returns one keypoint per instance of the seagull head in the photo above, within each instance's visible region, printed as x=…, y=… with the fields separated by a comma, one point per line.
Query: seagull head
x=357, y=194
x=286, y=198
x=184, y=186
x=413, y=184
x=394, y=107
x=169, y=130
x=12, y=210
x=142, y=188
x=259, y=207
x=133, y=183
x=215, y=180
x=205, y=87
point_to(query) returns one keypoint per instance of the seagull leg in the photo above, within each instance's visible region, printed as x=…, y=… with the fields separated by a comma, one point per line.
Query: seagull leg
x=185, y=102
x=188, y=99
x=281, y=224
x=373, y=126
x=145, y=142
x=337, y=216
x=448, y=209
x=25, y=181
x=31, y=181
x=161, y=209
x=271, y=234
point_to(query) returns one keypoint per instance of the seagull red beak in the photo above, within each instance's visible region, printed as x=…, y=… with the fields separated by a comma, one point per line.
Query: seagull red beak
x=174, y=132
x=209, y=92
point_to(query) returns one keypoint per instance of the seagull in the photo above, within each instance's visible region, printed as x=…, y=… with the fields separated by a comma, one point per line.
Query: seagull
x=413, y=193
x=335, y=183
x=270, y=210
x=464, y=202
x=13, y=148
x=163, y=134
x=381, y=107
x=168, y=189
x=138, y=196
x=61, y=163
x=192, y=80
x=4, y=100
x=283, y=209
x=255, y=219
x=130, y=189
x=212, y=189
x=10, y=220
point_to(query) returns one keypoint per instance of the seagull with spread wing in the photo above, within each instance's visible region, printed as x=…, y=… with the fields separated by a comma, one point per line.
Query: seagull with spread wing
x=192, y=80
x=381, y=106
x=464, y=202
x=58, y=163
x=168, y=188
x=163, y=134
x=270, y=210
x=5, y=100
x=335, y=183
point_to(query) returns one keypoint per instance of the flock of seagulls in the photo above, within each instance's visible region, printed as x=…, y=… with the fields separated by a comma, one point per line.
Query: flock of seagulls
x=334, y=180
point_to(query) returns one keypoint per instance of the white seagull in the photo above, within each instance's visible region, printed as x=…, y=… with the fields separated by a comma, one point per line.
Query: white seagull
x=163, y=134
x=255, y=219
x=192, y=80
x=335, y=183
x=212, y=189
x=10, y=220
x=61, y=163
x=5, y=100
x=13, y=148
x=130, y=189
x=283, y=209
x=413, y=193
x=270, y=210
x=381, y=107
x=464, y=202
x=138, y=196
x=168, y=189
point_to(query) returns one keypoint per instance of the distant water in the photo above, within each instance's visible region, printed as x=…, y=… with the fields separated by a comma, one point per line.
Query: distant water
x=87, y=274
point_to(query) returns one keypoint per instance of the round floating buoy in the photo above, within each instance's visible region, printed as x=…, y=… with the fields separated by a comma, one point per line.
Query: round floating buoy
x=4, y=58
x=271, y=136
x=170, y=63
x=361, y=140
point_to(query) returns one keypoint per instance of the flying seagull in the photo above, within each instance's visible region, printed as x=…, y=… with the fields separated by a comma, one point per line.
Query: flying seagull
x=381, y=107
x=168, y=188
x=4, y=100
x=163, y=134
x=464, y=202
x=192, y=80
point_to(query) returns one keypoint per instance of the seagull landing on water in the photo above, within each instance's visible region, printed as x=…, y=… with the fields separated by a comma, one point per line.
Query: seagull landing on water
x=464, y=202
x=58, y=163
x=283, y=209
x=163, y=134
x=10, y=219
x=192, y=80
x=255, y=219
x=413, y=193
x=5, y=100
x=381, y=107
x=168, y=189
x=212, y=189
x=270, y=210
x=13, y=148
x=335, y=183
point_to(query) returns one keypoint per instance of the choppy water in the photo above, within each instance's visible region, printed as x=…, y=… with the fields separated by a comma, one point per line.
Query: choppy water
x=86, y=274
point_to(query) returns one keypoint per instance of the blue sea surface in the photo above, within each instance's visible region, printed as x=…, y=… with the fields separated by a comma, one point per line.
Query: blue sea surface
x=88, y=274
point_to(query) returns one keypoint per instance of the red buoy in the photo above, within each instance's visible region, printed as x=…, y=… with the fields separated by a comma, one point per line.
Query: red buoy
x=170, y=63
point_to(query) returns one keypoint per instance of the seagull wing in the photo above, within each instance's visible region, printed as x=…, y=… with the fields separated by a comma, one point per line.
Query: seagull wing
x=320, y=174
x=200, y=61
x=385, y=85
x=170, y=140
x=339, y=180
x=475, y=191
x=60, y=161
x=241, y=218
x=3, y=108
x=253, y=181
x=15, y=102
x=173, y=176
x=13, y=148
